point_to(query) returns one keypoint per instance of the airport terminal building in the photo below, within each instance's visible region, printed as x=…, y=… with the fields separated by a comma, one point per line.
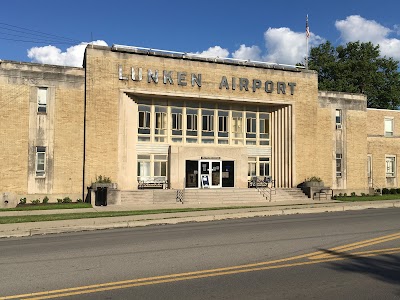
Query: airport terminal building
x=142, y=117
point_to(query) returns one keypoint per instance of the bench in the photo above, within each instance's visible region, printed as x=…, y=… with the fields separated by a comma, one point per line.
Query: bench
x=261, y=181
x=152, y=183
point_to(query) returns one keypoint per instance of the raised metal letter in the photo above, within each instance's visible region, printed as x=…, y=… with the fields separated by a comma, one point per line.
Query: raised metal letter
x=182, y=78
x=292, y=85
x=151, y=76
x=167, y=77
x=196, y=79
x=224, y=83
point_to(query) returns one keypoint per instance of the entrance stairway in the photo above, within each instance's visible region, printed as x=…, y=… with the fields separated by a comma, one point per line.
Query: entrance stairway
x=210, y=196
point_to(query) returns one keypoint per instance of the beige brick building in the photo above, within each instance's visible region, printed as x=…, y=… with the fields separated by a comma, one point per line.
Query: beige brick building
x=151, y=118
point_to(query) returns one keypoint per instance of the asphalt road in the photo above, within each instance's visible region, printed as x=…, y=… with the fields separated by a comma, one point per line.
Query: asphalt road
x=347, y=255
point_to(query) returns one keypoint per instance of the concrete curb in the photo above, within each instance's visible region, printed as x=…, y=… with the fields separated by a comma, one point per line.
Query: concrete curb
x=65, y=226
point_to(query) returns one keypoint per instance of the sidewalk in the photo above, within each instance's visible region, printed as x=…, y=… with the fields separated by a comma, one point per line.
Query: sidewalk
x=256, y=210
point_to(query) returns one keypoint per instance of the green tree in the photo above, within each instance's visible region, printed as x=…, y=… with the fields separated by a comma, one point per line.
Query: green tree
x=357, y=68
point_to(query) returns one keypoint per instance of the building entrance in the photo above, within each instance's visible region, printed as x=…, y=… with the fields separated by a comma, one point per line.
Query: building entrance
x=211, y=169
x=209, y=174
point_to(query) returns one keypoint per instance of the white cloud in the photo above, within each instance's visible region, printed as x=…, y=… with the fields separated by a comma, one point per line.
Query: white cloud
x=252, y=53
x=356, y=28
x=72, y=57
x=215, y=51
x=286, y=46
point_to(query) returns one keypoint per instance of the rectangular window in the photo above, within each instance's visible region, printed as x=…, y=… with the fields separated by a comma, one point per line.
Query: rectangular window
x=252, y=164
x=338, y=116
x=160, y=166
x=176, y=121
x=223, y=124
x=389, y=122
x=143, y=166
x=42, y=99
x=264, y=166
x=144, y=117
x=223, y=117
x=208, y=124
x=264, y=129
x=338, y=165
x=40, y=161
x=390, y=166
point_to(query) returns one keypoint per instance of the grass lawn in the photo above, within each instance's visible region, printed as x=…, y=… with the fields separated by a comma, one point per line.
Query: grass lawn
x=73, y=216
x=48, y=206
x=369, y=198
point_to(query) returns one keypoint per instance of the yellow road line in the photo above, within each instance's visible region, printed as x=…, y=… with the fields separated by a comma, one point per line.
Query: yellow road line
x=204, y=273
x=103, y=289
x=159, y=277
x=356, y=245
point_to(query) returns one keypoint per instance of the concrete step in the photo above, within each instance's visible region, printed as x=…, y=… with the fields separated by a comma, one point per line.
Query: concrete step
x=211, y=196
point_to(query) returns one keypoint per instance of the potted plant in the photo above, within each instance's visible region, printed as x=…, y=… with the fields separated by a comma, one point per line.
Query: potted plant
x=313, y=181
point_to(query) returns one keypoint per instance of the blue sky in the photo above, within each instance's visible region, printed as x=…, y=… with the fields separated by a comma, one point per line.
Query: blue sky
x=271, y=31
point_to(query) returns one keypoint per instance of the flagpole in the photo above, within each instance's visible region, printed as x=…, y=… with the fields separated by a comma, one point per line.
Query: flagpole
x=307, y=37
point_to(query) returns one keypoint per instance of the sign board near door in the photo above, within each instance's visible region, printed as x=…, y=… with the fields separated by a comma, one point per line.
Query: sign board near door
x=205, y=181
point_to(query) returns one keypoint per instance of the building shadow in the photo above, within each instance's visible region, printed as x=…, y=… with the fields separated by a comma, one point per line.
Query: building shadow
x=385, y=267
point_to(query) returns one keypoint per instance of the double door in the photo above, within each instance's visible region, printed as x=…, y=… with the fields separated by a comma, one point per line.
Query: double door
x=210, y=173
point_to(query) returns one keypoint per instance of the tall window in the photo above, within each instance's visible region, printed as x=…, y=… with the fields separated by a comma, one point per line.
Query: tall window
x=42, y=99
x=160, y=166
x=237, y=127
x=338, y=117
x=223, y=134
x=338, y=165
x=40, y=161
x=176, y=124
x=191, y=125
x=143, y=166
x=144, y=123
x=389, y=122
x=251, y=127
x=264, y=166
x=207, y=117
x=160, y=124
x=252, y=167
x=264, y=129
x=391, y=166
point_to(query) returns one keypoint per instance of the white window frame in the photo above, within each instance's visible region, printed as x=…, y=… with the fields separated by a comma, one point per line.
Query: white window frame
x=42, y=99
x=389, y=130
x=146, y=119
x=339, y=163
x=177, y=119
x=192, y=123
x=208, y=123
x=160, y=120
x=252, y=123
x=40, y=161
x=390, y=163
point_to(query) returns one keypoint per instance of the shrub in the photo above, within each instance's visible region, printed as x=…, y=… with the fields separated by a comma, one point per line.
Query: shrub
x=22, y=201
x=59, y=200
x=353, y=194
x=340, y=195
x=345, y=195
x=36, y=201
x=45, y=200
x=79, y=200
x=398, y=191
x=363, y=194
x=378, y=191
x=393, y=191
x=385, y=191
x=101, y=179
x=66, y=200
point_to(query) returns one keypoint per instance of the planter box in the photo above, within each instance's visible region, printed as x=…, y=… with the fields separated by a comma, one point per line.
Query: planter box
x=313, y=184
x=94, y=186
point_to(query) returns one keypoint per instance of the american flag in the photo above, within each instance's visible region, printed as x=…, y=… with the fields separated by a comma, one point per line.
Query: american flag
x=307, y=28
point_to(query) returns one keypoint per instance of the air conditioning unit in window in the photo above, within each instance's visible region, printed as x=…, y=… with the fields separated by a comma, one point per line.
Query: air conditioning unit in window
x=338, y=126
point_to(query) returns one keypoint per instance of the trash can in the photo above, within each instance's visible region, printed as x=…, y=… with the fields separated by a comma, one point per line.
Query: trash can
x=101, y=196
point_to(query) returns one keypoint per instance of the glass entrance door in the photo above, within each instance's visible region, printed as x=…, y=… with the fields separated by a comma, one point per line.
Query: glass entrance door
x=210, y=171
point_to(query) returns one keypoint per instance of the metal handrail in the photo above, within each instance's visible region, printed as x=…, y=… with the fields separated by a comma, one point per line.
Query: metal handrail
x=180, y=195
x=263, y=187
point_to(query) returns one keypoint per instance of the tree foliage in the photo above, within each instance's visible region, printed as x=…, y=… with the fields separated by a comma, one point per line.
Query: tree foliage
x=357, y=68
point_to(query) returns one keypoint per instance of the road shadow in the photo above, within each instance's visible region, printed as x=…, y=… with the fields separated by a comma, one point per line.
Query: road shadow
x=385, y=267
